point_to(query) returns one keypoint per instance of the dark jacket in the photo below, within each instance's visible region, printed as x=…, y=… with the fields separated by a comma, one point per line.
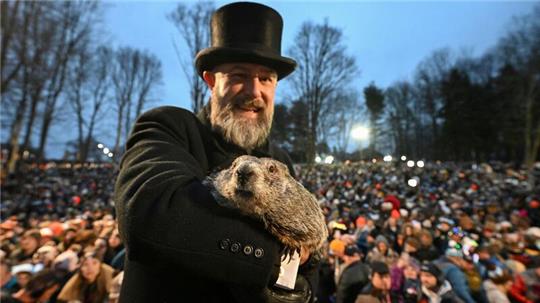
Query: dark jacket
x=353, y=279
x=181, y=246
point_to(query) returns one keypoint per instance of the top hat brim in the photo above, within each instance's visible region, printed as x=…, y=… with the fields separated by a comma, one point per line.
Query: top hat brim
x=211, y=57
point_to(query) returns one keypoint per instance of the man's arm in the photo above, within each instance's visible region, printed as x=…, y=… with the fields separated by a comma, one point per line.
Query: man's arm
x=169, y=219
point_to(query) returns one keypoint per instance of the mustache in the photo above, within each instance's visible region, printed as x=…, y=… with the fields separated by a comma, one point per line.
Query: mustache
x=248, y=102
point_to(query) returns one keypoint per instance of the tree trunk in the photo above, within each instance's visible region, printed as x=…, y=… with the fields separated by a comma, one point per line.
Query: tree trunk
x=119, y=130
x=14, y=135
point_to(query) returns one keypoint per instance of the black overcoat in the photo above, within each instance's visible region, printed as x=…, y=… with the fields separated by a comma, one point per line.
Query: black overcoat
x=182, y=246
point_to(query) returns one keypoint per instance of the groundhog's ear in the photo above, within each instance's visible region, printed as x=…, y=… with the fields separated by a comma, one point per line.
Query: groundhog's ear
x=283, y=167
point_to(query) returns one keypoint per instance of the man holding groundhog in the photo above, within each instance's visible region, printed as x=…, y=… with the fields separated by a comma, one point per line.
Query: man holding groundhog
x=181, y=245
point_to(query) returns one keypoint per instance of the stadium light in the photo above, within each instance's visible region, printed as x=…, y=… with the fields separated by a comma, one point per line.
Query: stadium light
x=420, y=163
x=410, y=163
x=360, y=132
x=412, y=182
x=403, y=158
x=329, y=159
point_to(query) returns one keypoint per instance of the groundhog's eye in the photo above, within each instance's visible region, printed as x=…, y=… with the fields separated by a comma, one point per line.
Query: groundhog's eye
x=272, y=168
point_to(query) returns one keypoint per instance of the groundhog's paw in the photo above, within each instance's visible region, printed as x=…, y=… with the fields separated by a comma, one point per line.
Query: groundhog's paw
x=287, y=253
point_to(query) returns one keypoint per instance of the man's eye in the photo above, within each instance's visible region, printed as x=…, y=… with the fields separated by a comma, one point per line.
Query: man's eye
x=238, y=75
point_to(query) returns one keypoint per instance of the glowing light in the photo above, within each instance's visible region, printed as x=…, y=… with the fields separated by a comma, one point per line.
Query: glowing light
x=387, y=158
x=100, y=146
x=412, y=182
x=420, y=163
x=318, y=159
x=106, y=150
x=110, y=155
x=410, y=163
x=360, y=132
x=403, y=158
x=329, y=159
x=374, y=160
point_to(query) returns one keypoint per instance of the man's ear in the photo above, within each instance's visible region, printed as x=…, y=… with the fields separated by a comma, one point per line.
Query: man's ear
x=209, y=78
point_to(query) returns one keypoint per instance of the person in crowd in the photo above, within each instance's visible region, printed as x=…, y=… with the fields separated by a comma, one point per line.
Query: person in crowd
x=451, y=264
x=529, y=288
x=354, y=276
x=426, y=252
x=43, y=287
x=23, y=273
x=114, y=246
x=497, y=285
x=405, y=278
x=91, y=283
x=435, y=289
x=382, y=252
x=379, y=288
x=8, y=281
x=29, y=244
x=160, y=197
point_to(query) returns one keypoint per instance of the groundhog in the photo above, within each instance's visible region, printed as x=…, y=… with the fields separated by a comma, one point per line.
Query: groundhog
x=262, y=188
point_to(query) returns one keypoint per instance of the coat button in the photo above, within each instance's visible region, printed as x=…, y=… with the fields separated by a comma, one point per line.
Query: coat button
x=259, y=253
x=248, y=249
x=235, y=247
x=224, y=244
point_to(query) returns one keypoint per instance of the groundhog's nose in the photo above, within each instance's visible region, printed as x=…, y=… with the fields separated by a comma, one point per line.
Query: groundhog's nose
x=243, y=173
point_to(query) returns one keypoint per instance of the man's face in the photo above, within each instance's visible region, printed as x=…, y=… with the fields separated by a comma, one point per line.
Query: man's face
x=428, y=280
x=29, y=244
x=381, y=281
x=242, y=102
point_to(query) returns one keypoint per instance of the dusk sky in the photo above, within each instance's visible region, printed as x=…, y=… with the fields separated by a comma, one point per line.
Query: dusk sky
x=388, y=39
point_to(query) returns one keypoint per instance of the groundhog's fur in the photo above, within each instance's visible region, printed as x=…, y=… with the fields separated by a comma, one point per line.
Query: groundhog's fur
x=262, y=188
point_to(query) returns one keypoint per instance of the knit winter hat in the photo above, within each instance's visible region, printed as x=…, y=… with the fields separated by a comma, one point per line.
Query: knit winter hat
x=381, y=238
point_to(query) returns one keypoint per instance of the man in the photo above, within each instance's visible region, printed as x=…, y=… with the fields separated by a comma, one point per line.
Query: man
x=182, y=246
x=354, y=276
x=378, y=291
x=434, y=287
x=451, y=266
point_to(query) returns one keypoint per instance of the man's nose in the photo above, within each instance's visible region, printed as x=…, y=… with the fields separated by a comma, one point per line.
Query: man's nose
x=252, y=87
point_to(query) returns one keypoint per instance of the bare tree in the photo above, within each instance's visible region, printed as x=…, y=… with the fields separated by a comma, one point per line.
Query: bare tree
x=323, y=68
x=192, y=24
x=521, y=48
x=428, y=77
x=40, y=38
x=347, y=111
x=75, y=24
x=148, y=78
x=126, y=64
x=87, y=93
x=374, y=98
x=399, y=103
x=135, y=75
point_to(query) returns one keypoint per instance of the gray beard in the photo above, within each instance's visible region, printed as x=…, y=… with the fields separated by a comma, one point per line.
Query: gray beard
x=245, y=133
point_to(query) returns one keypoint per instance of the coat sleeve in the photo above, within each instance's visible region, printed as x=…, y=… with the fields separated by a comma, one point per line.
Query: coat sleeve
x=459, y=284
x=169, y=220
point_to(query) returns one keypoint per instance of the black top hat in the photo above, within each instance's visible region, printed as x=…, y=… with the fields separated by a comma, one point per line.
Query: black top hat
x=245, y=32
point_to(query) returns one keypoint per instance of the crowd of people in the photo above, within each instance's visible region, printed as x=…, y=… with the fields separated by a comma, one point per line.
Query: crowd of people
x=459, y=233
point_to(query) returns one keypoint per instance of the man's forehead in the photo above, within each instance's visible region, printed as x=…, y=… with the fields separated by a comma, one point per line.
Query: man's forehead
x=251, y=67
